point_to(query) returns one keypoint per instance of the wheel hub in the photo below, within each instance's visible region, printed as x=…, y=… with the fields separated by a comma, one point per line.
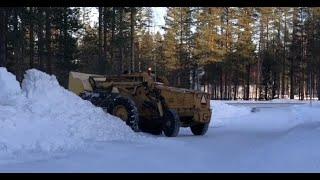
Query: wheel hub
x=121, y=112
x=168, y=123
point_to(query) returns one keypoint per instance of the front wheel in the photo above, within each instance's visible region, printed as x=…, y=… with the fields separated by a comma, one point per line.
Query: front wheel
x=125, y=109
x=199, y=129
x=171, y=123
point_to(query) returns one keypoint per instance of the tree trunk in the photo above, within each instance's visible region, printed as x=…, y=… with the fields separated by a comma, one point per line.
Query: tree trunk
x=267, y=33
x=227, y=29
x=48, y=40
x=3, y=32
x=65, y=36
x=105, y=28
x=132, y=19
x=274, y=85
x=31, y=39
x=16, y=45
x=21, y=49
x=215, y=91
x=243, y=87
x=180, y=45
x=235, y=92
x=248, y=82
x=299, y=88
x=112, y=36
x=258, y=80
x=221, y=84
x=40, y=42
x=100, y=68
x=284, y=58
x=225, y=92
x=236, y=84
x=230, y=90
x=291, y=79
x=295, y=54
x=122, y=43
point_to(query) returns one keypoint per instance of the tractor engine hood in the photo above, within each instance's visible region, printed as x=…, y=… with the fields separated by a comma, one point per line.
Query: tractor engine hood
x=185, y=98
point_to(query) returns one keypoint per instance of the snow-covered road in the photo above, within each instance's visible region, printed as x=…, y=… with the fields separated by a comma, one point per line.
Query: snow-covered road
x=249, y=143
x=44, y=128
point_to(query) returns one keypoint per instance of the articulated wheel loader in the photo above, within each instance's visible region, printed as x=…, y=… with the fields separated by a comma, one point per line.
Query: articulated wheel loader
x=144, y=102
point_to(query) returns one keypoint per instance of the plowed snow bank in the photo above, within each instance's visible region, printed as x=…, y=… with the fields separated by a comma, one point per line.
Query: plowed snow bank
x=221, y=112
x=43, y=116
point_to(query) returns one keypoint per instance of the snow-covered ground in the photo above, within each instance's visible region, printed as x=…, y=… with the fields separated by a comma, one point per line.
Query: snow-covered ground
x=45, y=128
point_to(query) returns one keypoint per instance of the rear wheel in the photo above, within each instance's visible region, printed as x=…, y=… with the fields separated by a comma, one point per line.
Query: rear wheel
x=171, y=123
x=199, y=129
x=125, y=109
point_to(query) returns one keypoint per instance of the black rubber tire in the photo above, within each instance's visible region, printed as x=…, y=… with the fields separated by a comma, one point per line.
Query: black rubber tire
x=108, y=102
x=199, y=129
x=131, y=108
x=171, y=123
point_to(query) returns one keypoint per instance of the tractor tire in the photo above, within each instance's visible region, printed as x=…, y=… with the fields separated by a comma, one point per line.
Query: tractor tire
x=107, y=104
x=125, y=109
x=199, y=129
x=171, y=123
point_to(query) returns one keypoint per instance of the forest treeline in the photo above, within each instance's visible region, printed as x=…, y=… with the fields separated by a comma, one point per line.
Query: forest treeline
x=232, y=52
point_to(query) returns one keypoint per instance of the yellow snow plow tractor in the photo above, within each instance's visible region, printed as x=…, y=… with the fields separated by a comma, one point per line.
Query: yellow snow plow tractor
x=145, y=102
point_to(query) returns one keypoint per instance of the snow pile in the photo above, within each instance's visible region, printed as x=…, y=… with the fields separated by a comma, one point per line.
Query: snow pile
x=43, y=116
x=222, y=111
x=277, y=119
x=10, y=89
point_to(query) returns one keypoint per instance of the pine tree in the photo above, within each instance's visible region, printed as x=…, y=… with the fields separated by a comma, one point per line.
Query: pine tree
x=100, y=64
x=132, y=25
x=48, y=40
x=3, y=40
x=245, y=47
x=31, y=36
x=179, y=22
x=171, y=47
x=146, y=58
x=159, y=55
x=294, y=52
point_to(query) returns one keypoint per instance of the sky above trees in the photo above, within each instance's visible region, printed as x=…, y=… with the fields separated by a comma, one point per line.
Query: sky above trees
x=158, y=17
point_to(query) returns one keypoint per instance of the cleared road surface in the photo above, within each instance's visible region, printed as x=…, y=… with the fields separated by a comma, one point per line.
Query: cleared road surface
x=267, y=104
